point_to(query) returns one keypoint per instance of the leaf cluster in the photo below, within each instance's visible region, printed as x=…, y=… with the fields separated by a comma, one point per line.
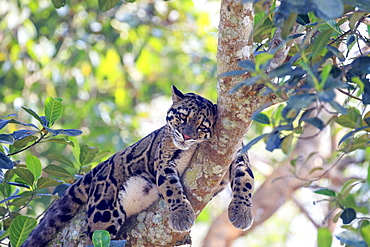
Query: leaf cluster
x=24, y=183
x=312, y=77
x=351, y=212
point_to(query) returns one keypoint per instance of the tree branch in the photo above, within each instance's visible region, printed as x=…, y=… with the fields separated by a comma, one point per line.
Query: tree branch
x=212, y=159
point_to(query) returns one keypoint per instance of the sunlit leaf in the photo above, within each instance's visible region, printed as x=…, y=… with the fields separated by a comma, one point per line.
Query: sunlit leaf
x=101, y=238
x=57, y=171
x=286, y=144
x=87, y=154
x=53, y=110
x=61, y=158
x=320, y=43
x=33, y=164
x=61, y=141
x=365, y=232
x=324, y=238
x=59, y=3
x=25, y=175
x=325, y=192
x=32, y=113
x=20, y=229
x=351, y=133
x=45, y=182
x=105, y=5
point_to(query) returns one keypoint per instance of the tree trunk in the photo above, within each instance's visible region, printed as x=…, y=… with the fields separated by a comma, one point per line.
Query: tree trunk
x=277, y=189
x=201, y=180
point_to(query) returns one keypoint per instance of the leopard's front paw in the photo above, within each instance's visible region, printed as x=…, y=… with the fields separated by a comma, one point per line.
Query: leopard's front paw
x=182, y=218
x=240, y=215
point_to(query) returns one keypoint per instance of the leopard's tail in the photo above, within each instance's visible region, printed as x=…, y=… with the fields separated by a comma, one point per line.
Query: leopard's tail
x=59, y=213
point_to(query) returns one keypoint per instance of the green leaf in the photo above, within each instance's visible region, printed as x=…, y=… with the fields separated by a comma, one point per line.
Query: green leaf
x=20, y=229
x=25, y=175
x=324, y=238
x=105, y=5
x=76, y=150
x=87, y=154
x=348, y=215
x=5, y=162
x=59, y=3
x=345, y=121
x=45, y=182
x=320, y=43
x=286, y=144
x=57, y=171
x=61, y=141
x=19, y=144
x=101, y=238
x=348, y=186
x=32, y=113
x=365, y=232
x=263, y=58
x=351, y=133
x=325, y=192
x=261, y=118
x=33, y=164
x=61, y=158
x=53, y=110
x=288, y=25
x=317, y=122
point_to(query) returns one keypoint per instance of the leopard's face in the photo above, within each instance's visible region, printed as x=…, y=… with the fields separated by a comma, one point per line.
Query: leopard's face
x=191, y=119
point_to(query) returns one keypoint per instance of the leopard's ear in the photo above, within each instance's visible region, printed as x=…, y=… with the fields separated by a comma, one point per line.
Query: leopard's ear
x=177, y=95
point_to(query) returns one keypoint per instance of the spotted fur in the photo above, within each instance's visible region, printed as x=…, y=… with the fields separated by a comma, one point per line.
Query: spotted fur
x=132, y=179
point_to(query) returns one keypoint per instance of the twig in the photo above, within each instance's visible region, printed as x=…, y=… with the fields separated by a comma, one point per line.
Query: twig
x=33, y=144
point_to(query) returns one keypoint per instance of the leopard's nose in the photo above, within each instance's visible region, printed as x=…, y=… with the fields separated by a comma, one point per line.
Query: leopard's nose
x=186, y=137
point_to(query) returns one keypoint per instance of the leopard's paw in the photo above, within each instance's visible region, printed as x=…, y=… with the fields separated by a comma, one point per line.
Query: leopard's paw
x=240, y=215
x=182, y=218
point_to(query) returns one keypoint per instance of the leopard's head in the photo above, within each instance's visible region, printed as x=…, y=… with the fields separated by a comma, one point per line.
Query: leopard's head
x=191, y=118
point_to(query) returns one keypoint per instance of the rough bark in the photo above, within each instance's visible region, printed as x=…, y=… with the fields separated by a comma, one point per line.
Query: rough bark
x=211, y=160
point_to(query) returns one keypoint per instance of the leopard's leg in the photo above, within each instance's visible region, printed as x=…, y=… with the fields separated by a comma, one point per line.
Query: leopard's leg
x=242, y=183
x=182, y=216
x=103, y=211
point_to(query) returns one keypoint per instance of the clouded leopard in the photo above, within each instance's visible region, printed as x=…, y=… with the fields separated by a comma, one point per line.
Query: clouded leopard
x=132, y=179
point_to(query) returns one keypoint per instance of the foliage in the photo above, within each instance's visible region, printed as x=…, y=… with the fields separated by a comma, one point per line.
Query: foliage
x=23, y=183
x=321, y=64
x=101, y=238
x=104, y=64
